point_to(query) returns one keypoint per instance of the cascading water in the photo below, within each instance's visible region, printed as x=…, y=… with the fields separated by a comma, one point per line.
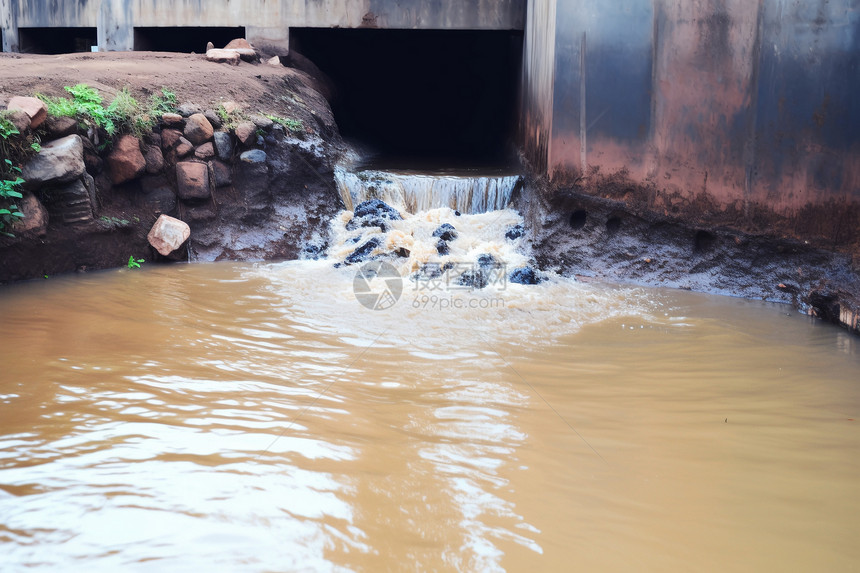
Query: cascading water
x=454, y=228
x=415, y=192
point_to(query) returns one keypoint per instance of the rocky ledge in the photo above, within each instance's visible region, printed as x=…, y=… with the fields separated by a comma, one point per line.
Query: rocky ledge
x=204, y=184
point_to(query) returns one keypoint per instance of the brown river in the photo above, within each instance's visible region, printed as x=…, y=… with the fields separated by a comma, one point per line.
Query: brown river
x=239, y=417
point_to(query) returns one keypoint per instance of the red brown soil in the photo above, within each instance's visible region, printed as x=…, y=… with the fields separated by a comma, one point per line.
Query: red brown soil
x=258, y=87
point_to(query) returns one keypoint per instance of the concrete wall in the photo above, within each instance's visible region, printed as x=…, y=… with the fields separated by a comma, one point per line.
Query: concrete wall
x=265, y=21
x=741, y=113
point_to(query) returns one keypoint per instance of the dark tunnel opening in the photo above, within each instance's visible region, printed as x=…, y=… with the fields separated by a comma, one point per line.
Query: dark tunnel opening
x=184, y=39
x=422, y=98
x=56, y=40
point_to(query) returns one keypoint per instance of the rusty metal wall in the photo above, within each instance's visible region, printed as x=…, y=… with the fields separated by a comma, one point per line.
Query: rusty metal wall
x=741, y=113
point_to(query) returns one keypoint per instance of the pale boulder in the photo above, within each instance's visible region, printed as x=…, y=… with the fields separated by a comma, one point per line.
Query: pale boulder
x=223, y=56
x=33, y=107
x=168, y=234
x=59, y=161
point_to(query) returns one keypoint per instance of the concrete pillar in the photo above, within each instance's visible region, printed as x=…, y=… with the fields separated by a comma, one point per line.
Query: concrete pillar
x=538, y=82
x=115, y=26
x=9, y=25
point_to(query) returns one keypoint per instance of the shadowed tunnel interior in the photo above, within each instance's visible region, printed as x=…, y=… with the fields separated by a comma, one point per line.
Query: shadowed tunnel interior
x=422, y=98
x=56, y=40
x=183, y=38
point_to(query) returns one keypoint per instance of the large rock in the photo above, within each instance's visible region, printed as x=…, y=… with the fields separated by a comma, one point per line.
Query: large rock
x=221, y=173
x=126, y=162
x=71, y=203
x=187, y=109
x=19, y=119
x=35, y=221
x=253, y=157
x=377, y=208
x=213, y=118
x=184, y=148
x=172, y=119
x=58, y=127
x=239, y=44
x=261, y=121
x=205, y=151
x=246, y=132
x=59, y=161
x=231, y=57
x=223, y=145
x=192, y=180
x=154, y=160
x=170, y=139
x=168, y=234
x=33, y=107
x=198, y=130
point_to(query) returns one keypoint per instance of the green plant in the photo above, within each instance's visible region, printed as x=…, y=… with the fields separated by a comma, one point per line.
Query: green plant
x=85, y=105
x=163, y=103
x=231, y=119
x=10, y=180
x=134, y=263
x=36, y=146
x=113, y=221
x=291, y=124
x=9, y=211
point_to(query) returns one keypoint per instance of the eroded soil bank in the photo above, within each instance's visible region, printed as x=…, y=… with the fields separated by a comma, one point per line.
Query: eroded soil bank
x=266, y=193
x=593, y=236
x=276, y=205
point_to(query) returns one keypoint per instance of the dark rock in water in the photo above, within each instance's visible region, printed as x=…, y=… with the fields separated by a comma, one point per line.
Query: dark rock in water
x=370, y=221
x=402, y=252
x=475, y=279
x=457, y=213
x=362, y=253
x=377, y=208
x=515, y=232
x=488, y=262
x=525, y=276
x=432, y=271
x=446, y=232
x=442, y=247
x=314, y=251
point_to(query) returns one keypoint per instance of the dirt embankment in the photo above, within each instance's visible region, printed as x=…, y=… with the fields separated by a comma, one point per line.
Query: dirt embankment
x=266, y=205
x=594, y=234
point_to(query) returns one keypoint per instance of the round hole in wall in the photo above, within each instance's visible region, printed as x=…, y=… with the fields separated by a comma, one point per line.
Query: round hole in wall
x=612, y=225
x=578, y=218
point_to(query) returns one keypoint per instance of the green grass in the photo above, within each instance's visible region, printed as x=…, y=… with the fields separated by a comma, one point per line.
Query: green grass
x=295, y=125
x=125, y=114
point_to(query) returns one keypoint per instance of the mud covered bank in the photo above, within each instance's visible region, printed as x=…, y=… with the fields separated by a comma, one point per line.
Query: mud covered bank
x=593, y=237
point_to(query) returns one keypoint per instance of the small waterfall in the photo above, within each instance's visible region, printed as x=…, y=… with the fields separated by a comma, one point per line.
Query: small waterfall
x=468, y=194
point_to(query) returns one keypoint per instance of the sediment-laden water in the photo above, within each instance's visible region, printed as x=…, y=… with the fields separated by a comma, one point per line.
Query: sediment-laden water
x=235, y=417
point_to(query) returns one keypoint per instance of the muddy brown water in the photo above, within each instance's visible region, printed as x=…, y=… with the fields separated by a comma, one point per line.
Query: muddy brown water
x=236, y=417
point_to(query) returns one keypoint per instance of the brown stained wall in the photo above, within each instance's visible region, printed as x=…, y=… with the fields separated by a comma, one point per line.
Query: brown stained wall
x=736, y=113
x=704, y=91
